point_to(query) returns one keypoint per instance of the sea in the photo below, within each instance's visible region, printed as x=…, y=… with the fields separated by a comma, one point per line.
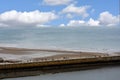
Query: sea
x=88, y=39
x=64, y=38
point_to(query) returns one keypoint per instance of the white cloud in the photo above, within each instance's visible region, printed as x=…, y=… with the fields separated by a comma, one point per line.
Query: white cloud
x=62, y=25
x=14, y=18
x=39, y=25
x=108, y=19
x=81, y=11
x=76, y=23
x=37, y=18
x=57, y=2
x=93, y=22
x=105, y=19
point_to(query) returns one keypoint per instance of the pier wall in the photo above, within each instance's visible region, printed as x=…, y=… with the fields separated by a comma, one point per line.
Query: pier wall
x=37, y=68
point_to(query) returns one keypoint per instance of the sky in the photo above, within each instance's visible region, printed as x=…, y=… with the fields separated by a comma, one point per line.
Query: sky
x=39, y=13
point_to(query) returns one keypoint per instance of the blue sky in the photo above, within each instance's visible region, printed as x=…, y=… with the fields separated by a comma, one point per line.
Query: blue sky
x=59, y=12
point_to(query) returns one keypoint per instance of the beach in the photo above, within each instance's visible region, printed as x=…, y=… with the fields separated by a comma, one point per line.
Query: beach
x=12, y=54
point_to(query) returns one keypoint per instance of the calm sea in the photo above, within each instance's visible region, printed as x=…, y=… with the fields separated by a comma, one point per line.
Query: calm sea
x=66, y=38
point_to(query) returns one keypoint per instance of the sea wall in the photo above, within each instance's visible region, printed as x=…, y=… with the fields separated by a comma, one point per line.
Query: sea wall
x=36, y=68
x=59, y=62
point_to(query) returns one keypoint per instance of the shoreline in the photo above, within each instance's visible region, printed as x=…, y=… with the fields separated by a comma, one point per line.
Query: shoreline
x=14, y=49
x=67, y=61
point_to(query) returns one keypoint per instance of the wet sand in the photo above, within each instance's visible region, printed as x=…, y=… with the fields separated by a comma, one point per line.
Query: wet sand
x=52, y=54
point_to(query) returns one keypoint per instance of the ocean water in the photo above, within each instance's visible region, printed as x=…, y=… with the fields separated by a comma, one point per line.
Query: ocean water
x=106, y=39
x=111, y=73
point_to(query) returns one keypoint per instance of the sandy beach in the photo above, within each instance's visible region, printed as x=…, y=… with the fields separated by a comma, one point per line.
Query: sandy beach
x=12, y=55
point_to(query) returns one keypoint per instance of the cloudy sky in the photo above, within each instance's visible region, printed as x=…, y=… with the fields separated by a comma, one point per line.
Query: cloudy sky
x=59, y=13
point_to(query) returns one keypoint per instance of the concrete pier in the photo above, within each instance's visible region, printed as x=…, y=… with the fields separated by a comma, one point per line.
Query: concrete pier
x=37, y=68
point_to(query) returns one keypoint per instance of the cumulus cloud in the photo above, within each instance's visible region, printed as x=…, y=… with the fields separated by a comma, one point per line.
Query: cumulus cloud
x=76, y=23
x=108, y=19
x=105, y=19
x=93, y=22
x=81, y=11
x=15, y=18
x=57, y=2
x=62, y=25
